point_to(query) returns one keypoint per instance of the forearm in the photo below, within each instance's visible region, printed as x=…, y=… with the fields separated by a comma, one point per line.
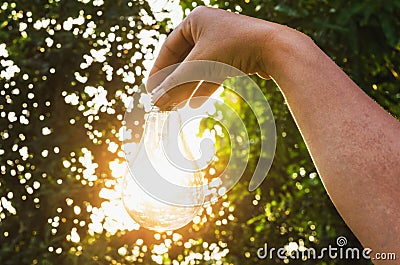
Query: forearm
x=354, y=143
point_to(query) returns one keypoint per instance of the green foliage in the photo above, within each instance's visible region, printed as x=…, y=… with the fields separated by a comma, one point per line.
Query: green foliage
x=66, y=74
x=292, y=204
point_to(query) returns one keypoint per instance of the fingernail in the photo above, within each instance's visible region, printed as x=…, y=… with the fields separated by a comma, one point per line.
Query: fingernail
x=157, y=93
x=160, y=96
x=155, y=89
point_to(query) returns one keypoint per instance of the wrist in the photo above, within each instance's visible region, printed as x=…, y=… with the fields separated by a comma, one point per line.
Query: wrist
x=282, y=50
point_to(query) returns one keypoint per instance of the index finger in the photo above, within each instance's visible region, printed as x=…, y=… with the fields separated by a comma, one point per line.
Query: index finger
x=175, y=49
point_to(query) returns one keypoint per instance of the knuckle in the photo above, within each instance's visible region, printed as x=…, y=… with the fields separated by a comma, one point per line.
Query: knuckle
x=198, y=11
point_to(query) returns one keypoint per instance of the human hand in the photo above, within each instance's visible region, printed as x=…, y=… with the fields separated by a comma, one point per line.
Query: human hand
x=337, y=120
x=213, y=35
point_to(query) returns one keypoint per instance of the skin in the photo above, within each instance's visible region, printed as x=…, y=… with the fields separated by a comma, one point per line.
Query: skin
x=354, y=143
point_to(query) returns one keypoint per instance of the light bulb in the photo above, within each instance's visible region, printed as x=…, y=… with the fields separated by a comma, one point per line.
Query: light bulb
x=165, y=188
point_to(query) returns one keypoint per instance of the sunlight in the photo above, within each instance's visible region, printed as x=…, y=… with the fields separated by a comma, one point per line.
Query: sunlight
x=124, y=201
x=126, y=198
x=165, y=208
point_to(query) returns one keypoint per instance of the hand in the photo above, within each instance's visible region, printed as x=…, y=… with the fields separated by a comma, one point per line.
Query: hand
x=214, y=35
x=353, y=141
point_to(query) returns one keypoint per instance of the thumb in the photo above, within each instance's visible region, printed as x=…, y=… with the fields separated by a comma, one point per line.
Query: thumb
x=178, y=83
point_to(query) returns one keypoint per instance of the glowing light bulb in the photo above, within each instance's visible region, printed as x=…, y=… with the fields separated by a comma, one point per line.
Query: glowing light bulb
x=165, y=188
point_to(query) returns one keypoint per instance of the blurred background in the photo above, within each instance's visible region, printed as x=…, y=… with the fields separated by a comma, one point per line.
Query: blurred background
x=68, y=71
